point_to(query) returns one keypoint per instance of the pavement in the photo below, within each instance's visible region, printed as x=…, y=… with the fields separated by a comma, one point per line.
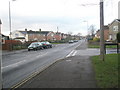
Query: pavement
x=5, y=52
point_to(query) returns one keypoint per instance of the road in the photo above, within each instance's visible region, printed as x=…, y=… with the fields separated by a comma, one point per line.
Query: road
x=16, y=67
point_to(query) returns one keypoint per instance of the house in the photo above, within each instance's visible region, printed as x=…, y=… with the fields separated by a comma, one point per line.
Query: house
x=32, y=35
x=63, y=36
x=106, y=33
x=114, y=28
x=58, y=36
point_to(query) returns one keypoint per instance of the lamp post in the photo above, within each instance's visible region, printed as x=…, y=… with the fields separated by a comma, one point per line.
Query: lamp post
x=10, y=23
x=102, y=51
x=0, y=57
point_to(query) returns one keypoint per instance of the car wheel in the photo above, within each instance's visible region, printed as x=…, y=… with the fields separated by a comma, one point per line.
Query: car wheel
x=42, y=48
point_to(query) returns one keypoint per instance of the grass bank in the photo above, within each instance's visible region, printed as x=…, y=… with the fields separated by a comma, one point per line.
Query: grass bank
x=106, y=71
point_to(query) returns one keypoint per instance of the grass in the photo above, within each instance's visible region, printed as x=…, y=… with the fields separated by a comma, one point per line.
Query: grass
x=98, y=46
x=106, y=72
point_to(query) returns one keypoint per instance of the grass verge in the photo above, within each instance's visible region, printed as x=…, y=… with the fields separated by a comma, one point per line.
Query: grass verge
x=98, y=46
x=106, y=71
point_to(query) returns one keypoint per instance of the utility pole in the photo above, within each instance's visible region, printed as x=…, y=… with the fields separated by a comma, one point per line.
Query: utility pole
x=102, y=51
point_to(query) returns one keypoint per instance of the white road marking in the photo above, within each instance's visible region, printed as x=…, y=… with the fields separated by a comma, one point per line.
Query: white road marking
x=74, y=53
x=70, y=53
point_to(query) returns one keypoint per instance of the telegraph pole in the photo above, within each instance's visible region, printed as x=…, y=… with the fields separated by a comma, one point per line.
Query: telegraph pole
x=102, y=51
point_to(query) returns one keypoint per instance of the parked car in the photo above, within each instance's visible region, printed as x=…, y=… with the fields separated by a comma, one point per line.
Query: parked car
x=71, y=41
x=35, y=46
x=75, y=40
x=46, y=44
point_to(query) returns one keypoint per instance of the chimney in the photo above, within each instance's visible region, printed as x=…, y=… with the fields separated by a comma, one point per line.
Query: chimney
x=26, y=29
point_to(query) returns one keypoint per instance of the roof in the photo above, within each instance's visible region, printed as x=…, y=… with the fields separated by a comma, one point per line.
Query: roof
x=106, y=27
x=116, y=20
x=4, y=36
x=34, y=32
x=23, y=32
x=19, y=38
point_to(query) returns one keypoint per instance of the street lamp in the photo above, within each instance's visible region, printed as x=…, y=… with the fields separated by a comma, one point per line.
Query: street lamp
x=10, y=23
x=0, y=57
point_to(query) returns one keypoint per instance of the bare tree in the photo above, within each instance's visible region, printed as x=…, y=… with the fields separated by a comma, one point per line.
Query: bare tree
x=79, y=34
x=92, y=30
x=70, y=33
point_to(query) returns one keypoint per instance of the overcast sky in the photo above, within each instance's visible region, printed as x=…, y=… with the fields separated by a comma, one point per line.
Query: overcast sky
x=68, y=15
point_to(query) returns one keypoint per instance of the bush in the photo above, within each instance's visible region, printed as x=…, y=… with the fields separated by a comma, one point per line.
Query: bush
x=96, y=39
x=118, y=37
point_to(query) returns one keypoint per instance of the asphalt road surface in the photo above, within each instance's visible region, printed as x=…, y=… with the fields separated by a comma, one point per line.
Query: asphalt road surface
x=16, y=67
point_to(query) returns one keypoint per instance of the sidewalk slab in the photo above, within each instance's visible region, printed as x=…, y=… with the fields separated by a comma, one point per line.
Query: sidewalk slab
x=71, y=72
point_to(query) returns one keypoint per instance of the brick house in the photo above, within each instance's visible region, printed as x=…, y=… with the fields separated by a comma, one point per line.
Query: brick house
x=114, y=28
x=32, y=35
x=106, y=33
x=58, y=36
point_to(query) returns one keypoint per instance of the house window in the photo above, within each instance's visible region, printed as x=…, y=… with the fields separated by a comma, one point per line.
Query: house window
x=16, y=34
x=52, y=35
x=115, y=28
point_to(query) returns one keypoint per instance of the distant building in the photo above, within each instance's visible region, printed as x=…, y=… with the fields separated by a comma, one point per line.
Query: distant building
x=32, y=35
x=58, y=36
x=106, y=33
x=114, y=28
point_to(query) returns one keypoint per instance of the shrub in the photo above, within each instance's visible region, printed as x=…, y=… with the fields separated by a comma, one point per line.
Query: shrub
x=96, y=39
x=118, y=37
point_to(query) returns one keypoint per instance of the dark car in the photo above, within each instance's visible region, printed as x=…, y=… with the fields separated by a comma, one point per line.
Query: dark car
x=35, y=46
x=46, y=45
